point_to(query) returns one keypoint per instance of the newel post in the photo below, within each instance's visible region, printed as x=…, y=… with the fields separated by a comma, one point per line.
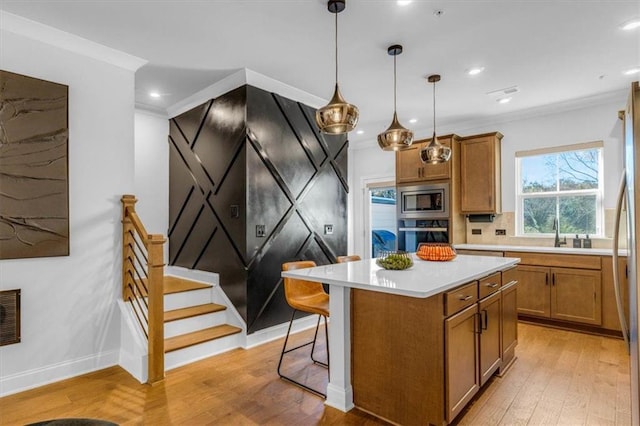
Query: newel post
x=155, y=249
x=128, y=205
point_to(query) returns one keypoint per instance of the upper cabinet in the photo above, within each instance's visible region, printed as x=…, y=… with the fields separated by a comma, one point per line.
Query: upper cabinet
x=410, y=169
x=480, y=190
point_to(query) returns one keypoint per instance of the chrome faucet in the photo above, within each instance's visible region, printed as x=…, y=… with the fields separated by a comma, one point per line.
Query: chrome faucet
x=557, y=242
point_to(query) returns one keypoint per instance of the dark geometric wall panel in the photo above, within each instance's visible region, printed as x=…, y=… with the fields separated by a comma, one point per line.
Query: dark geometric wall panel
x=252, y=185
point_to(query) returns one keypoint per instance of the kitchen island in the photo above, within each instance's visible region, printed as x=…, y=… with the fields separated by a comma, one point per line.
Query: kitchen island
x=389, y=333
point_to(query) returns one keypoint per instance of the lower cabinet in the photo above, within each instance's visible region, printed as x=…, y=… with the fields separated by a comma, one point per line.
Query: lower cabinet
x=420, y=361
x=489, y=327
x=566, y=294
x=509, y=331
x=461, y=353
x=473, y=341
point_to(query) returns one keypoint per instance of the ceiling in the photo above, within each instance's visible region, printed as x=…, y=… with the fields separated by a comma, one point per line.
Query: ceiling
x=554, y=51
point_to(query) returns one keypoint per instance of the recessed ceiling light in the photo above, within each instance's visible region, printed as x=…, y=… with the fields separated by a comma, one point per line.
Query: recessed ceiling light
x=631, y=25
x=475, y=70
x=632, y=71
x=413, y=120
x=403, y=2
x=359, y=132
x=154, y=94
x=503, y=100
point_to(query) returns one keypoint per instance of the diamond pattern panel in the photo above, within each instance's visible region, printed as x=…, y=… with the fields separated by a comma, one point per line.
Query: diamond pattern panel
x=270, y=167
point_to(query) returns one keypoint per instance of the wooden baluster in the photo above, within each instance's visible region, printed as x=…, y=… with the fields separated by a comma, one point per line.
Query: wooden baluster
x=155, y=270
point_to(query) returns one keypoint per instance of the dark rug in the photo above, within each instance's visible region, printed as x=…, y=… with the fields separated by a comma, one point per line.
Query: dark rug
x=73, y=422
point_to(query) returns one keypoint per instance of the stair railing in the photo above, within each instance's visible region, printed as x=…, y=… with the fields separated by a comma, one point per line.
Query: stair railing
x=142, y=283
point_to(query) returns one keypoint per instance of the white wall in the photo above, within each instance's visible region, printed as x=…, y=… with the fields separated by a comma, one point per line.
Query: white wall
x=70, y=321
x=152, y=171
x=552, y=127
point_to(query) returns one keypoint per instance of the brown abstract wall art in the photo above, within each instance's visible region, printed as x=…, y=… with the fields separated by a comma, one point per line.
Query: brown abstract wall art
x=34, y=190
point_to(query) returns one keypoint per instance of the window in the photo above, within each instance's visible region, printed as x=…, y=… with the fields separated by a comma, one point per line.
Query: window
x=563, y=184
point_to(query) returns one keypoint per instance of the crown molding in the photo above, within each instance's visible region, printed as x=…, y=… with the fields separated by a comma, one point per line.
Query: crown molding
x=34, y=30
x=462, y=126
x=240, y=78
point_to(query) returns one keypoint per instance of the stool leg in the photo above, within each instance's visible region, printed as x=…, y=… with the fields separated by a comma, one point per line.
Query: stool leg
x=285, y=350
x=315, y=337
x=286, y=339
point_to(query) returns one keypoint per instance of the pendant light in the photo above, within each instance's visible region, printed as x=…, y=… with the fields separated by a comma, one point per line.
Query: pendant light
x=396, y=137
x=338, y=116
x=435, y=152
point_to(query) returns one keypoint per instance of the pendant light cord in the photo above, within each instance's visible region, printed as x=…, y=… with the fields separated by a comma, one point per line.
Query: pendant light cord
x=434, y=107
x=394, y=82
x=336, y=13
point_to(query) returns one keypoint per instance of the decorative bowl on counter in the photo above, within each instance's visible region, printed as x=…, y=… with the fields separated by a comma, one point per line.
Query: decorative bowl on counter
x=438, y=252
x=394, y=260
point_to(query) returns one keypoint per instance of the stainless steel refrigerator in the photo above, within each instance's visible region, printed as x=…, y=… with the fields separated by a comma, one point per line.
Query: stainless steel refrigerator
x=629, y=190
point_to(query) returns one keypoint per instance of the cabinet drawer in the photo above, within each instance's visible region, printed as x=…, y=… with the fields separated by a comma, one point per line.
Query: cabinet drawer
x=461, y=297
x=558, y=260
x=489, y=285
x=509, y=276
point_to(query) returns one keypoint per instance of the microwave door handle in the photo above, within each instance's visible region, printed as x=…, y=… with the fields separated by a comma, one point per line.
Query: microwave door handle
x=614, y=259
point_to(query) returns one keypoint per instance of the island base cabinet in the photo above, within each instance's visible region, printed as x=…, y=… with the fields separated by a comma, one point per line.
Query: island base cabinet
x=489, y=318
x=397, y=349
x=509, y=325
x=461, y=354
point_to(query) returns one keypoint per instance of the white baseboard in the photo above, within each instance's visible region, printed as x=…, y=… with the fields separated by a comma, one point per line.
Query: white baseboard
x=54, y=373
x=279, y=331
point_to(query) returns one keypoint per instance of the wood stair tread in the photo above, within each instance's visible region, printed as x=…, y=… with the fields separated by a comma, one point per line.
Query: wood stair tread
x=177, y=285
x=200, y=336
x=192, y=311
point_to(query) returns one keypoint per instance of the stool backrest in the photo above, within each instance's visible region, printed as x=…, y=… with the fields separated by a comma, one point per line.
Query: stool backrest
x=294, y=288
x=349, y=258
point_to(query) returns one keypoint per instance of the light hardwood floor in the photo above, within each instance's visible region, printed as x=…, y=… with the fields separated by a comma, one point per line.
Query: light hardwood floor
x=559, y=378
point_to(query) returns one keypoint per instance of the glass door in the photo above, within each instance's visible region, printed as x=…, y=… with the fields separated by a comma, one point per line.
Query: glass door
x=383, y=223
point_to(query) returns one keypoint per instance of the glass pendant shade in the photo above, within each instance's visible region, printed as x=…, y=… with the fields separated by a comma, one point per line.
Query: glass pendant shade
x=435, y=152
x=396, y=137
x=338, y=116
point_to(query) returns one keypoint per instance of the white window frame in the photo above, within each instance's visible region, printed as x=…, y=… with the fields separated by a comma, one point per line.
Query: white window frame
x=599, y=192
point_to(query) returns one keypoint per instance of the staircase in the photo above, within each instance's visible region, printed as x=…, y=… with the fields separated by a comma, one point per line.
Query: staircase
x=194, y=326
x=168, y=320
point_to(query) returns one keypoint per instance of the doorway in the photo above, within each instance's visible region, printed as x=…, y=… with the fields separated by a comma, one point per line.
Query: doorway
x=381, y=226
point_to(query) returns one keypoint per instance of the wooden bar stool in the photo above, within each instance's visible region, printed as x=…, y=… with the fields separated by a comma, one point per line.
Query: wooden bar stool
x=310, y=297
x=349, y=258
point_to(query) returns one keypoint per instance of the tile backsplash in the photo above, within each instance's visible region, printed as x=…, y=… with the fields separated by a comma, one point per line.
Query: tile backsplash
x=485, y=233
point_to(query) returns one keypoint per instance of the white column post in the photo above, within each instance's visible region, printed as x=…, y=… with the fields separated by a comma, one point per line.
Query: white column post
x=339, y=390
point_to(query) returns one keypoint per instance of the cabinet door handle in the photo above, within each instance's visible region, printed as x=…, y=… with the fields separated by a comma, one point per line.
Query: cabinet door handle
x=478, y=322
x=465, y=298
x=553, y=279
x=546, y=278
x=485, y=314
x=492, y=285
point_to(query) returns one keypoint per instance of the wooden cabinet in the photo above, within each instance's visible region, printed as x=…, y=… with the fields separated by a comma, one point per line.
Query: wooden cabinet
x=561, y=293
x=480, y=178
x=410, y=169
x=489, y=317
x=533, y=291
x=461, y=356
x=509, y=336
x=576, y=295
x=610, y=319
x=420, y=361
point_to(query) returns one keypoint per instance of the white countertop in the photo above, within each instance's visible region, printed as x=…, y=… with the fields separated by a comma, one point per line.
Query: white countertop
x=542, y=249
x=423, y=279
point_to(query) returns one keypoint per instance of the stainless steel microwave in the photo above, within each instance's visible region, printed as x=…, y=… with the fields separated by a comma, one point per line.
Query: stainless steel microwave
x=423, y=201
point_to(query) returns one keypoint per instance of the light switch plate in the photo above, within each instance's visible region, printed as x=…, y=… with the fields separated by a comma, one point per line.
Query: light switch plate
x=328, y=229
x=260, y=231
